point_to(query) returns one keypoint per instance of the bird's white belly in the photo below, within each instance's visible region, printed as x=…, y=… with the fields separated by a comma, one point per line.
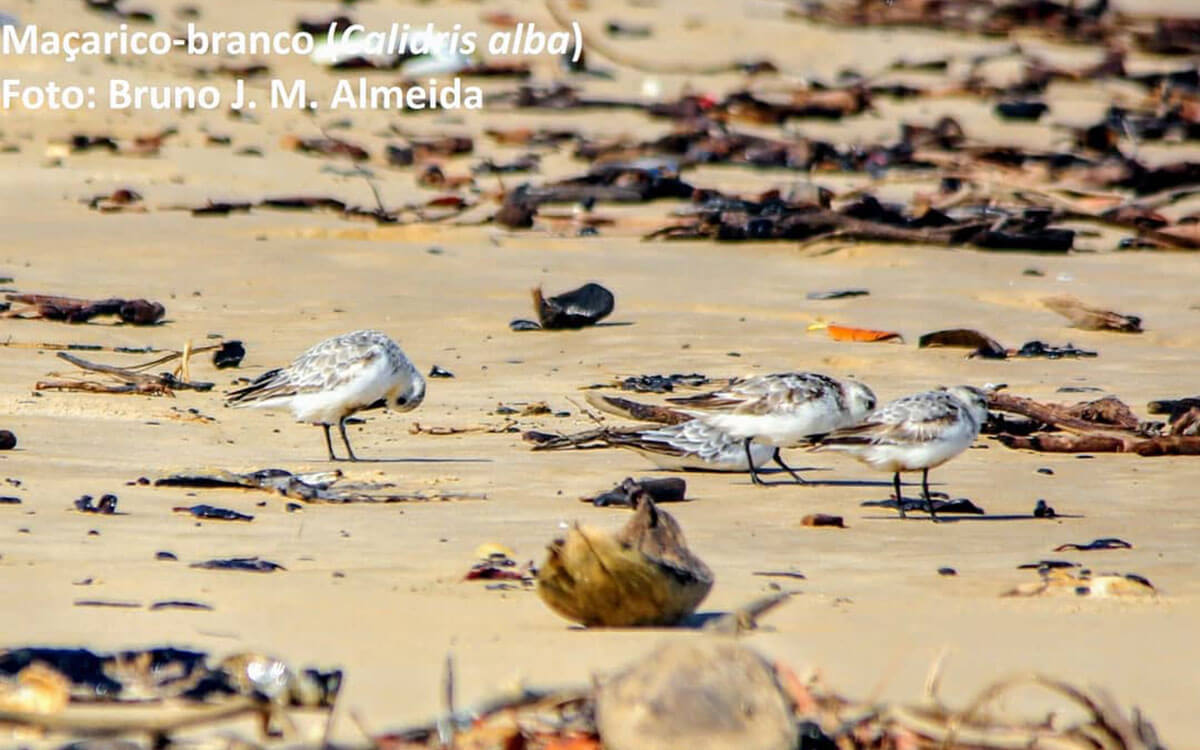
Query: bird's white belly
x=782, y=430
x=914, y=456
x=327, y=407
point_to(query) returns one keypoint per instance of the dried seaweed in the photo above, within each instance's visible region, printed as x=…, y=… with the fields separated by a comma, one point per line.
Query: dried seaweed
x=322, y=487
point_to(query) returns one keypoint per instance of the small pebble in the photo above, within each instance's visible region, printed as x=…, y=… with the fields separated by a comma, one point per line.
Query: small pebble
x=293, y=507
x=1045, y=470
x=947, y=572
x=164, y=555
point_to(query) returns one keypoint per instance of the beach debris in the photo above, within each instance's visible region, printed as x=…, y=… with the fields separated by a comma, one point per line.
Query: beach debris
x=189, y=690
x=1042, y=509
x=72, y=310
x=1096, y=23
x=186, y=604
x=1103, y=543
x=131, y=379
x=661, y=383
x=114, y=604
x=105, y=506
x=815, y=715
x=837, y=294
x=251, y=564
x=849, y=333
x=1032, y=349
x=1048, y=565
x=1022, y=110
x=212, y=513
x=318, y=487
x=577, y=308
x=668, y=490
x=35, y=689
x=1055, y=581
x=9, y=500
x=1092, y=318
x=439, y=372
x=157, y=675
x=1175, y=407
x=961, y=505
x=642, y=575
x=816, y=520
x=325, y=146
x=494, y=562
x=964, y=338
x=8, y=440
x=781, y=574
x=121, y=200
x=985, y=347
x=947, y=571
x=1105, y=425
x=229, y=354
x=416, y=428
x=701, y=694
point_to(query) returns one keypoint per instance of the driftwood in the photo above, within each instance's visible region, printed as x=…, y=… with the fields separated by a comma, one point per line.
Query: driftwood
x=132, y=381
x=73, y=310
x=1105, y=425
x=567, y=717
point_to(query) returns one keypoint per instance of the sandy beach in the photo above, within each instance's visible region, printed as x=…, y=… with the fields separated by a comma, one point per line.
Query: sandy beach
x=377, y=590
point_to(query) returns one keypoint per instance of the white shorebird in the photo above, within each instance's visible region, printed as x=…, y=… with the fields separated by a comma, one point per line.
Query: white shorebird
x=693, y=445
x=914, y=433
x=780, y=410
x=336, y=378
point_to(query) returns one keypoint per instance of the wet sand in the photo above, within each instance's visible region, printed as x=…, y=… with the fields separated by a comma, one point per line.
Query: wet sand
x=873, y=614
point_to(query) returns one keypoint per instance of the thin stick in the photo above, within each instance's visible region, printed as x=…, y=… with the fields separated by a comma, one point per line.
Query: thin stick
x=108, y=726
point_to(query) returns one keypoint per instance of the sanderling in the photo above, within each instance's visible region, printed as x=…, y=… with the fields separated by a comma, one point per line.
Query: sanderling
x=694, y=445
x=336, y=378
x=917, y=432
x=780, y=410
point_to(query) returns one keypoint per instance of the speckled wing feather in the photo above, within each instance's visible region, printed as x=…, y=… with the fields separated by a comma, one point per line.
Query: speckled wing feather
x=912, y=419
x=766, y=394
x=325, y=367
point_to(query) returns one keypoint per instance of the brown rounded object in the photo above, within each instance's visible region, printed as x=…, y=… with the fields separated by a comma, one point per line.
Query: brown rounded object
x=696, y=694
x=8, y=441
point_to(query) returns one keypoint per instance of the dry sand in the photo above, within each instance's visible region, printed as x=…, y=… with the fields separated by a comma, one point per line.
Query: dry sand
x=874, y=614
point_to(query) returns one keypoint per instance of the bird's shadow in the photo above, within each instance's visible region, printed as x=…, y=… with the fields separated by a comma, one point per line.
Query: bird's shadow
x=361, y=460
x=819, y=482
x=912, y=505
x=694, y=621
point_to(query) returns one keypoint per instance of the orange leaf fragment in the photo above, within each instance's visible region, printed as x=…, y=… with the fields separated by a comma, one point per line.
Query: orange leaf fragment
x=847, y=333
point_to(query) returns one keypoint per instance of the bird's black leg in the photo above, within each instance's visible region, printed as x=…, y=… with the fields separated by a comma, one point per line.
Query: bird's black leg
x=928, y=498
x=899, y=496
x=750, y=462
x=346, y=440
x=328, y=442
x=779, y=460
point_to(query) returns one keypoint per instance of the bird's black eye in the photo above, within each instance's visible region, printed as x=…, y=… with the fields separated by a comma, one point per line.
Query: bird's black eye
x=401, y=401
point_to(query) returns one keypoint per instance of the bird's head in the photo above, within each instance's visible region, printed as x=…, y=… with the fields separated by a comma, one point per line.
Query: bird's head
x=409, y=397
x=860, y=400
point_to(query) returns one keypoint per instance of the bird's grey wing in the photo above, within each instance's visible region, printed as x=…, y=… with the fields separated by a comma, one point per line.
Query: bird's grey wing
x=905, y=421
x=327, y=366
